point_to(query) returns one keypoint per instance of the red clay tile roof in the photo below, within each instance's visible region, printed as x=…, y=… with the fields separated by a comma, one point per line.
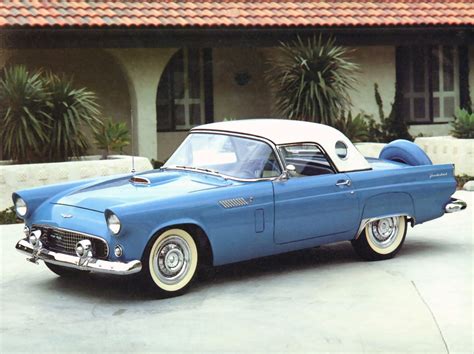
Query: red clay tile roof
x=228, y=13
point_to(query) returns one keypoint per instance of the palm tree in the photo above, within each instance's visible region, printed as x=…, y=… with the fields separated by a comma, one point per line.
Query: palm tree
x=311, y=79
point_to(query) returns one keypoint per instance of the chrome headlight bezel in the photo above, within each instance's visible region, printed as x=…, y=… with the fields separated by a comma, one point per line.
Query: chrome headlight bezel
x=113, y=223
x=21, y=208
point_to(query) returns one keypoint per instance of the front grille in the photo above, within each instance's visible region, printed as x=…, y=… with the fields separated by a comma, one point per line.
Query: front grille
x=64, y=241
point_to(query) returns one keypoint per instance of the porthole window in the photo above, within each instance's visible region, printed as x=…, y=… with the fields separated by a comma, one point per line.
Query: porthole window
x=341, y=150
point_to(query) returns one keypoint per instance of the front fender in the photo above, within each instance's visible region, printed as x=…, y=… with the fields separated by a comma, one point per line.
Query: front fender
x=141, y=221
x=34, y=197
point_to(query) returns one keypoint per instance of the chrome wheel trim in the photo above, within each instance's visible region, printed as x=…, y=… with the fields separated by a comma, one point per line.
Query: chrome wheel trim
x=172, y=259
x=384, y=232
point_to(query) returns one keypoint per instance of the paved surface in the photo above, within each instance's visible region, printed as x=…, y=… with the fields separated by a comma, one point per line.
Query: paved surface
x=323, y=299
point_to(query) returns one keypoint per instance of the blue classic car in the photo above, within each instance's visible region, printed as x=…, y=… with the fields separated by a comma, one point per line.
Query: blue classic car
x=234, y=191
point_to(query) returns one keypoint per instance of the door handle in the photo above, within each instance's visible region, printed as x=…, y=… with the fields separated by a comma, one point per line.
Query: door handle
x=343, y=182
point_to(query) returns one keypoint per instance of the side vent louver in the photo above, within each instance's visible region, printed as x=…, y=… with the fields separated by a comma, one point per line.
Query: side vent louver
x=233, y=203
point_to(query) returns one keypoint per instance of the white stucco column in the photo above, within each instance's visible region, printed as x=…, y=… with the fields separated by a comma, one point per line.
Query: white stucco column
x=143, y=68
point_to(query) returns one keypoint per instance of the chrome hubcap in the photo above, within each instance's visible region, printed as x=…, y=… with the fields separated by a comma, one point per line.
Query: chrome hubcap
x=172, y=260
x=384, y=232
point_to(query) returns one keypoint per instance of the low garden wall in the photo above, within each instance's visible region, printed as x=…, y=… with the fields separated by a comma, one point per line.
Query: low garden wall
x=446, y=149
x=16, y=177
x=370, y=149
x=440, y=149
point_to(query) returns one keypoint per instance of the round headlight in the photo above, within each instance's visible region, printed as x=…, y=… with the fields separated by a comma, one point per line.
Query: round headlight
x=20, y=207
x=113, y=224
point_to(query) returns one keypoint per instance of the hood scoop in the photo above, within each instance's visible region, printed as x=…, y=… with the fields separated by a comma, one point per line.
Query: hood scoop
x=139, y=180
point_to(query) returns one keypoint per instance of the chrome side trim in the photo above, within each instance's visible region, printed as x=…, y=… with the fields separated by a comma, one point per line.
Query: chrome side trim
x=224, y=176
x=365, y=222
x=92, y=264
x=455, y=205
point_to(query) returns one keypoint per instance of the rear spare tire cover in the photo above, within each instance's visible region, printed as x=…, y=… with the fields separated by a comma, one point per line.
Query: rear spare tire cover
x=405, y=151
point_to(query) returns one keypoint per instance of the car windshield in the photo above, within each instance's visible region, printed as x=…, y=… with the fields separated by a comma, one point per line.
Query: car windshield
x=225, y=154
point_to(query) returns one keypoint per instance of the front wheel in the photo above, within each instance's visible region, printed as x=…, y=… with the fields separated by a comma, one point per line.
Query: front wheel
x=381, y=239
x=170, y=263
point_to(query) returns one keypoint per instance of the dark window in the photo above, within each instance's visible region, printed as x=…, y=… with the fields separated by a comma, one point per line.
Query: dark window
x=308, y=160
x=429, y=81
x=184, y=91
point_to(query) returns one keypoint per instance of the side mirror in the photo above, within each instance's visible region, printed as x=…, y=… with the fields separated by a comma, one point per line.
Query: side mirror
x=287, y=173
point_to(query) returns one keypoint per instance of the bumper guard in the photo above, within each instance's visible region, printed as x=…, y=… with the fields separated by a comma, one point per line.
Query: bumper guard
x=455, y=205
x=81, y=263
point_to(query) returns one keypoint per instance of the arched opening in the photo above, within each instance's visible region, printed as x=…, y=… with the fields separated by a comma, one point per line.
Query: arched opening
x=92, y=68
x=184, y=95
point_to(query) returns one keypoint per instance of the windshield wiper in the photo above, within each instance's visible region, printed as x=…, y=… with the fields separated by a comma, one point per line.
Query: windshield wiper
x=208, y=170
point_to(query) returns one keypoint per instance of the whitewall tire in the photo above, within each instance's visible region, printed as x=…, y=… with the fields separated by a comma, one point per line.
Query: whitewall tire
x=171, y=262
x=382, y=238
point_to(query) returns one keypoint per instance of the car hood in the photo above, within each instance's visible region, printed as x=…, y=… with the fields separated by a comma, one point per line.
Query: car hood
x=163, y=185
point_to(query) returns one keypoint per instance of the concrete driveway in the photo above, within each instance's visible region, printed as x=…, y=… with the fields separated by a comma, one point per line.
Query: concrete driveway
x=323, y=299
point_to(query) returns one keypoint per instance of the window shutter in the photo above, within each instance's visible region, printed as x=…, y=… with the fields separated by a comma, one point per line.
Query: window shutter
x=464, y=97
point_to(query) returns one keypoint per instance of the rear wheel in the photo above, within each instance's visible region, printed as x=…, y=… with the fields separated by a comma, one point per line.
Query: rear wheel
x=170, y=263
x=381, y=239
x=65, y=272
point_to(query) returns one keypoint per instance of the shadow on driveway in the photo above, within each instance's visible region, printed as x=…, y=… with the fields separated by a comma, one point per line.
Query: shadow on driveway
x=117, y=288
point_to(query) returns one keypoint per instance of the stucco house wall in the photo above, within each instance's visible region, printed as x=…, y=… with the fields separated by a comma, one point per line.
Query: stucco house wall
x=143, y=68
x=376, y=66
x=126, y=81
x=231, y=100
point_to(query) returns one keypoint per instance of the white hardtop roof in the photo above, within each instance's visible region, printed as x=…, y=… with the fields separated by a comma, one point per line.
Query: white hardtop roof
x=284, y=131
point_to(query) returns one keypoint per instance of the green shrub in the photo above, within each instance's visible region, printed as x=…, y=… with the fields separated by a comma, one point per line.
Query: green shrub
x=392, y=127
x=8, y=216
x=311, y=79
x=463, y=125
x=461, y=180
x=157, y=164
x=112, y=137
x=356, y=129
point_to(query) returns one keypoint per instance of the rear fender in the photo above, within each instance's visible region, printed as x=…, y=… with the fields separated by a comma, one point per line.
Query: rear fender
x=386, y=205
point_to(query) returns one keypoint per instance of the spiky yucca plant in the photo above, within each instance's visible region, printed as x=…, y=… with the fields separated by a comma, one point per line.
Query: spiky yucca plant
x=43, y=117
x=74, y=114
x=24, y=114
x=112, y=137
x=311, y=79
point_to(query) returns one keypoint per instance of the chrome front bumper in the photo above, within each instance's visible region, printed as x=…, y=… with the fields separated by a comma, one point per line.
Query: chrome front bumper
x=85, y=263
x=455, y=205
